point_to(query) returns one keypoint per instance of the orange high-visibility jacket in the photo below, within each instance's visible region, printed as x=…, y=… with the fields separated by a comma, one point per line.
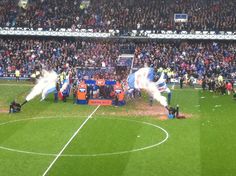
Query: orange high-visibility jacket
x=82, y=91
x=117, y=87
x=121, y=96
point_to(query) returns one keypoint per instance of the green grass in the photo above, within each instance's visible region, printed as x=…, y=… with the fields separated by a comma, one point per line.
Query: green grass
x=202, y=145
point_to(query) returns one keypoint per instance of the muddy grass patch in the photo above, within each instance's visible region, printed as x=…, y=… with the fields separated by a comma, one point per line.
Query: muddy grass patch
x=3, y=111
x=140, y=109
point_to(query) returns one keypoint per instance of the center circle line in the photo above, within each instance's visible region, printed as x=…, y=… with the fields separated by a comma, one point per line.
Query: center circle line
x=87, y=155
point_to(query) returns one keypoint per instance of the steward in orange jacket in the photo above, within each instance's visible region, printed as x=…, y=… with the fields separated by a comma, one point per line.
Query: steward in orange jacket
x=82, y=91
x=119, y=94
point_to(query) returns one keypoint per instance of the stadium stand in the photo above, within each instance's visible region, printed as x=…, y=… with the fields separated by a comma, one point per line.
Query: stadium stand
x=90, y=21
x=192, y=57
x=125, y=15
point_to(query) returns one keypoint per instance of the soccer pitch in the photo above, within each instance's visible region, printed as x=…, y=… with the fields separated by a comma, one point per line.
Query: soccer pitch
x=67, y=139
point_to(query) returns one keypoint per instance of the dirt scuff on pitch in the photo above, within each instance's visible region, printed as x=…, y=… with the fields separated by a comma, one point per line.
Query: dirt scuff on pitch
x=141, y=109
x=3, y=111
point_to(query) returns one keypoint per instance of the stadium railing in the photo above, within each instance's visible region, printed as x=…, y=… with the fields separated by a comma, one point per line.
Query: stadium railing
x=146, y=34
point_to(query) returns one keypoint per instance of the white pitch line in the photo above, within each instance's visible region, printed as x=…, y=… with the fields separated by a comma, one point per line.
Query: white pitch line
x=62, y=150
x=94, y=154
x=5, y=84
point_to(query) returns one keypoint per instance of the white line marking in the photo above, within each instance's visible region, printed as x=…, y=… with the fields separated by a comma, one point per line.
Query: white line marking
x=29, y=85
x=62, y=150
x=93, y=154
x=39, y=117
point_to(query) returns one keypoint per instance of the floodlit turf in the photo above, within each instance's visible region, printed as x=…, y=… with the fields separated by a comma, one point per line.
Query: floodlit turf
x=202, y=145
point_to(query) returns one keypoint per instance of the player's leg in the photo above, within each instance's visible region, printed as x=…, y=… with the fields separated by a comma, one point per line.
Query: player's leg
x=169, y=94
x=150, y=100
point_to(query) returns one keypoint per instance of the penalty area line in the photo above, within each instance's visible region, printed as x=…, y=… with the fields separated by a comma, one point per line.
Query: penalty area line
x=62, y=150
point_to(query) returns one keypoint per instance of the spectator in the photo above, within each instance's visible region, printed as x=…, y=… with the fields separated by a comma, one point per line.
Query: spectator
x=229, y=87
x=123, y=15
x=17, y=74
x=199, y=59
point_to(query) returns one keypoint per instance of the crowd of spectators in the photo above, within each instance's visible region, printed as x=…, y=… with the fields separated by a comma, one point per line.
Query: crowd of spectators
x=29, y=55
x=194, y=58
x=124, y=15
x=8, y=13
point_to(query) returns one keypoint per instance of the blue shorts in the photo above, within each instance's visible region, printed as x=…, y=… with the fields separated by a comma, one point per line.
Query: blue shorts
x=171, y=116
